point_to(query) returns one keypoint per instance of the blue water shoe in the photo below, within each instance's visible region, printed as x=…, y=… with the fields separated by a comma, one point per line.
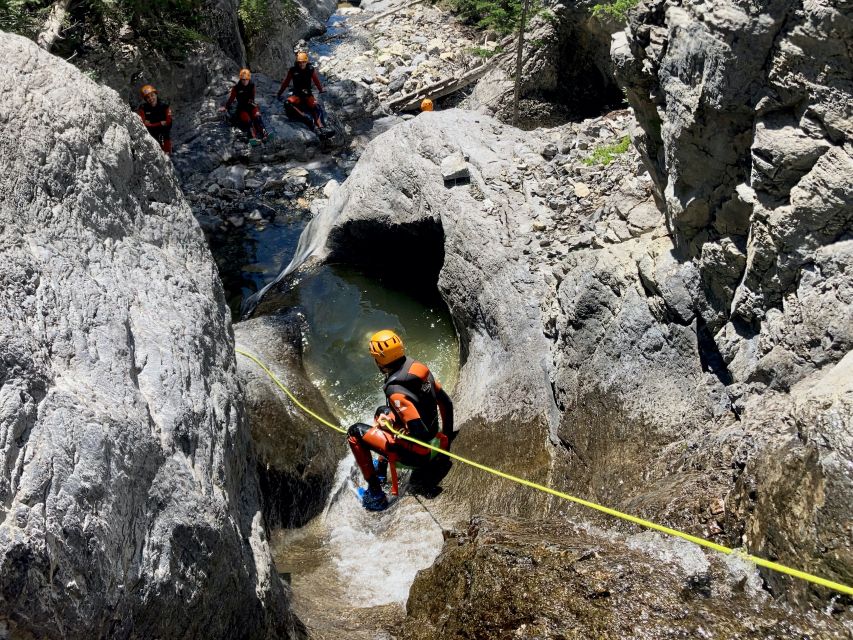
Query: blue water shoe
x=373, y=501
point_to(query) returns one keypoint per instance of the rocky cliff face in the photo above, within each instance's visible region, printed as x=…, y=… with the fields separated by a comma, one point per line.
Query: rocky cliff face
x=271, y=46
x=130, y=506
x=502, y=578
x=747, y=118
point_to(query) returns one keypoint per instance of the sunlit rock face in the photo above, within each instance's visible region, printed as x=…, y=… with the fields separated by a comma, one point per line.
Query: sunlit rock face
x=128, y=502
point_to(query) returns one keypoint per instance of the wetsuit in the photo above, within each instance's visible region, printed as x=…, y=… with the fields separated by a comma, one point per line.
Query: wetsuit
x=158, y=120
x=248, y=113
x=302, y=95
x=415, y=402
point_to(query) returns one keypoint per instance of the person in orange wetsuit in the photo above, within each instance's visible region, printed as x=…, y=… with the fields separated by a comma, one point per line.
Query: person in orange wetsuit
x=248, y=113
x=417, y=406
x=302, y=102
x=157, y=117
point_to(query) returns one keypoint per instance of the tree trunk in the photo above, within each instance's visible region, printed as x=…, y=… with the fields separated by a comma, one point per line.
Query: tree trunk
x=522, y=27
x=49, y=33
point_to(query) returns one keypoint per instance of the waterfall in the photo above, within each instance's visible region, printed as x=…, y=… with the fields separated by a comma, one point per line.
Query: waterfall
x=312, y=242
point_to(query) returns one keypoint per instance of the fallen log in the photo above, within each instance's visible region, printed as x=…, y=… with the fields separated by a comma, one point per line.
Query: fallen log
x=443, y=88
x=390, y=12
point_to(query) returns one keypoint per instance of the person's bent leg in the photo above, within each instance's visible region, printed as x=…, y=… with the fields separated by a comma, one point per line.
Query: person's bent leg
x=311, y=103
x=258, y=123
x=166, y=139
x=362, y=440
x=244, y=120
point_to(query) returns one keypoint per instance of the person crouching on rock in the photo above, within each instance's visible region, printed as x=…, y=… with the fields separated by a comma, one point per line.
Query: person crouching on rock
x=157, y=117
x=415, y=403
x=248, y=115
x=301, y=104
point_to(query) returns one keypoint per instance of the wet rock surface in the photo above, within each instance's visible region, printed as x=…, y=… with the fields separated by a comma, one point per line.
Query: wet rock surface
x=297, y=457
x=504, y=578
x=130, y=506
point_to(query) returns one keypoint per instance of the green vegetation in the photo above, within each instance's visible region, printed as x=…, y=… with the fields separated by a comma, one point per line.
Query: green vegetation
x=169, y=26
x=606, y=154
x=618, y=9
x=22, y=16
x=256, y=15
x=500, y=16
x=482, y=52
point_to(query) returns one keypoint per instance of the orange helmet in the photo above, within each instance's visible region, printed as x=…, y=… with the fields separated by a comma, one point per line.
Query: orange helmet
x=147, y=90
x=426, y=104
x=386, y=347
x=301, y=57
x=245, y=74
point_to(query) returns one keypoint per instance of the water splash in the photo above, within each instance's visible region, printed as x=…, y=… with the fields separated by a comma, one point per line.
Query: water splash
x=377, y=555
x=312, y=240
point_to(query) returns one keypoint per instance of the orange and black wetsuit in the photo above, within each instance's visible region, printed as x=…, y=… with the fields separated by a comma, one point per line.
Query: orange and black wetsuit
x=302, y=96
x=248, y=113
x=415, y=402
x=154, y=117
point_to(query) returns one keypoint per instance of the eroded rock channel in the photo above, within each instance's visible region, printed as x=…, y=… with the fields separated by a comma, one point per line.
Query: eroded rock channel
x=643, y=303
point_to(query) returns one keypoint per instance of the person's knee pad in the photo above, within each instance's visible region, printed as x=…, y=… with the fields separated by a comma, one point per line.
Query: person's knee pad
x=358, y=430
x=293, y=100
x=383, y=410
x=311, y=101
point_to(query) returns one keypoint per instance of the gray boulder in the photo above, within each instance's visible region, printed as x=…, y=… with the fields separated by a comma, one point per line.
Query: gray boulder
x=464, y=241
x=504, y=578
x=130, y=506
x=297, y=456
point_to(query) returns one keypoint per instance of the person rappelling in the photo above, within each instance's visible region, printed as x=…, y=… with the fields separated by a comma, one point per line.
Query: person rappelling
x=248, y=114
x=417, y=406
x=157, y=117
x=301, y=105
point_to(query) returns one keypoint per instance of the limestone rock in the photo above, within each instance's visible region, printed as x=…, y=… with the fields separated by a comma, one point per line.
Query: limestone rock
x=503, y=578
x=454, y=167
x=297, y=456
x=271, y=48
x=130, y=506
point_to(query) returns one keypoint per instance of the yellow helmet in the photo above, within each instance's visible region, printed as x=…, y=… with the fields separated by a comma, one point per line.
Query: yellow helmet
x=301, y=57
x=386, y=347
x=147, y=90
x=426, y=104
x=245, y=74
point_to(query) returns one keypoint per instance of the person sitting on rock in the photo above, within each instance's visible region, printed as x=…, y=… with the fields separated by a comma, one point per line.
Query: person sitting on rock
x=301, y=101
x=248, y=114
x=157, y=117
x=415, y=402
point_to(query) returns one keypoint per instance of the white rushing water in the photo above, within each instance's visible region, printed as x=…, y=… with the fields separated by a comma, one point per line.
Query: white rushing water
x=377, y=555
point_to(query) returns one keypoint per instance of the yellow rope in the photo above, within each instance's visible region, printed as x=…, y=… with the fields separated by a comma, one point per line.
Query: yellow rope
x=775, y=566
x=290, y=395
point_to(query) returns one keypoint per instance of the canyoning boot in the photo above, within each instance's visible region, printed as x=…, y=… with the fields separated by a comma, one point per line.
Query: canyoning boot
x=254, y=142
x=373, y=500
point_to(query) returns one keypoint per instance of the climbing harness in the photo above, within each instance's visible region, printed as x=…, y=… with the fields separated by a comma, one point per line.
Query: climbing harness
x=761, y=562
